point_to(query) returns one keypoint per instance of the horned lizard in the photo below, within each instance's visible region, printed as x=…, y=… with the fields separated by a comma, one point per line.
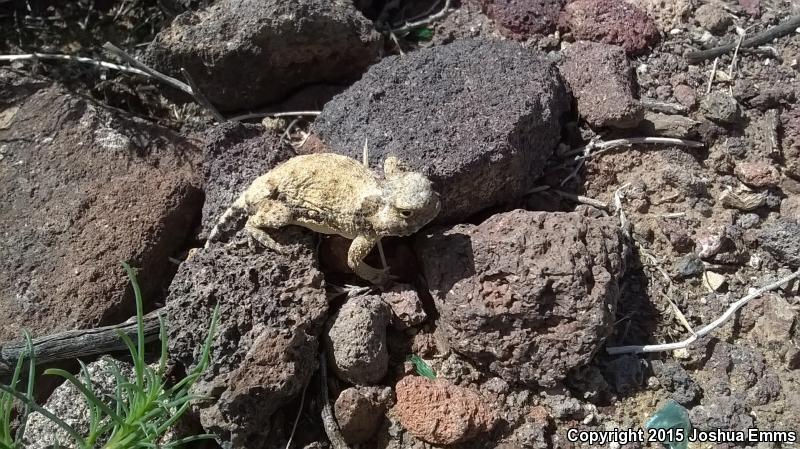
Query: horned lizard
x=334, y=194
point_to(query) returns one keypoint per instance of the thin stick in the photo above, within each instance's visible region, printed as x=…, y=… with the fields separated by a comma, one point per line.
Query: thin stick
x=289, y=128
x=712, y=75
x=663, y=106
x=735, y=54
x=328, y=420
x=297, y=418
x=411, y=25
x=602, y=146
x=707, y=328
x=762, y=38
x=82, y=60
x=253, y=115
x=200, y=98
x=180, y=85
x=581, y=199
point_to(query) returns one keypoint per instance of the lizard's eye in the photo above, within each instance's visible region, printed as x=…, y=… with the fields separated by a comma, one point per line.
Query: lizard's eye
x=405, y=213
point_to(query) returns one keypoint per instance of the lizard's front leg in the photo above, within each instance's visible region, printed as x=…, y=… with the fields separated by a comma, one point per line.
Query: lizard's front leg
x=359, y=249
x=270, y=214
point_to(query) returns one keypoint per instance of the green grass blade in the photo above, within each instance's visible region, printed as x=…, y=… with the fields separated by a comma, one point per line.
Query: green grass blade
x=88, y=394
x=137, y=367
x=162, y=333
x=29, y=390
x=39, y=409
x=187, y=440
x=7, y=403
x=137, y=293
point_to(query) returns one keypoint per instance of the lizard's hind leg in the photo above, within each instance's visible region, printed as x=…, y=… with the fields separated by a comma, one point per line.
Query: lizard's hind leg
x=270, y=214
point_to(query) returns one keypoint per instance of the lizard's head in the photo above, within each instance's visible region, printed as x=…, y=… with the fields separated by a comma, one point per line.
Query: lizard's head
x=409, y=201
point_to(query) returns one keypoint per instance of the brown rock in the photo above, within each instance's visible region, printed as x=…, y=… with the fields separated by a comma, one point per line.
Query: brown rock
x=272, y=308
x=757, y=174
x=359, y=412
x=668, y=14
x=602, y=82
x=752, y=7
x=83, y=187
x=790, y=207
x=712, y=17
x=407, y=309
x=246, y=53
x=439, y=412
x=612, y=22
x=509, y=289
x=790, y=121
x=523, y=18
x=685, y=95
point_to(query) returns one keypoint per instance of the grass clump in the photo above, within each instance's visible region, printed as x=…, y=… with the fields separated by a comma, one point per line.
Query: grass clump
x=141, y=410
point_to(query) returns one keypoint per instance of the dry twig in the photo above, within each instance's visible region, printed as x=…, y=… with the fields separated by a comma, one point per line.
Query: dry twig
x=408, y=26
x=252, y=115
x=82, y=60
x=200, y=98
x=180, y=85
x=297, y=418
x=604, y=146
x=762, y=38
x=705, y=330
x=712, y=75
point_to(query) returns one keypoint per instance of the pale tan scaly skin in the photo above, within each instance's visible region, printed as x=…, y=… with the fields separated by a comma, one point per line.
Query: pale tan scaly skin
x=334, y=194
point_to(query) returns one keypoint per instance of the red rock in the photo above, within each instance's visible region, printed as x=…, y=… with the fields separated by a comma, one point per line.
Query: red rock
x=757, y=174
x=602, y=83
x=522, y=18
x=439, y=412
x=752, y=7
x=685, y=95
x=359, y=412
x=611, y=22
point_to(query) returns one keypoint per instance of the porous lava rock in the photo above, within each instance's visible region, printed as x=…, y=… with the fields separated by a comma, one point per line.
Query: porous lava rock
x=235, y=155
x=781, y=239
x=272, y=307
x=529, y=295
x=602, y=83
x=360, y=411
x=439, y=412
x=523, y=18
x=356, y=340
x=471, y=113
x=612, y=22
x=790, y=140
x=83, y=187
x=245, y=53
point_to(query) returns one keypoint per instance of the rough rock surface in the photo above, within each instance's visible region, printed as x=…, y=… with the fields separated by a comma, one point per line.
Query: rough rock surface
x=439, y=412
x=83, y=187
x=413, y=107
x=359, y=412
x=407, y=309
x=245, y=53
x=713, y=17
x=523, y=18
x=235, y=155
x=356, y=340
x=272, y=309
x=667, y=14
x=782, y=240
x=790, y=142
x=612, y=22
x=757, y=174
x=69, y=404
x=510, y=289
x=718, y=106
x=602, y=82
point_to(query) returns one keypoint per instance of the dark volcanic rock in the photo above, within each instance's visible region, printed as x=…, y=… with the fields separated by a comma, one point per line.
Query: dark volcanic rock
x=782, y=240
x=790, y=125
x=272, y=309
x=480, y=117
x=356, y=340
x=612, y=22
x=602, y=82
x=235, y=155
x=359, y=412
x=245, y=53
x=523, y=18
x=510, y=289
x=721, y=108
x=675, y=379
x=83, y=187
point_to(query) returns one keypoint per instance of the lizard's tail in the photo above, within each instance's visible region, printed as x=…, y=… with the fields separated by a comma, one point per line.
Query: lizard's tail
x=230, y=220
